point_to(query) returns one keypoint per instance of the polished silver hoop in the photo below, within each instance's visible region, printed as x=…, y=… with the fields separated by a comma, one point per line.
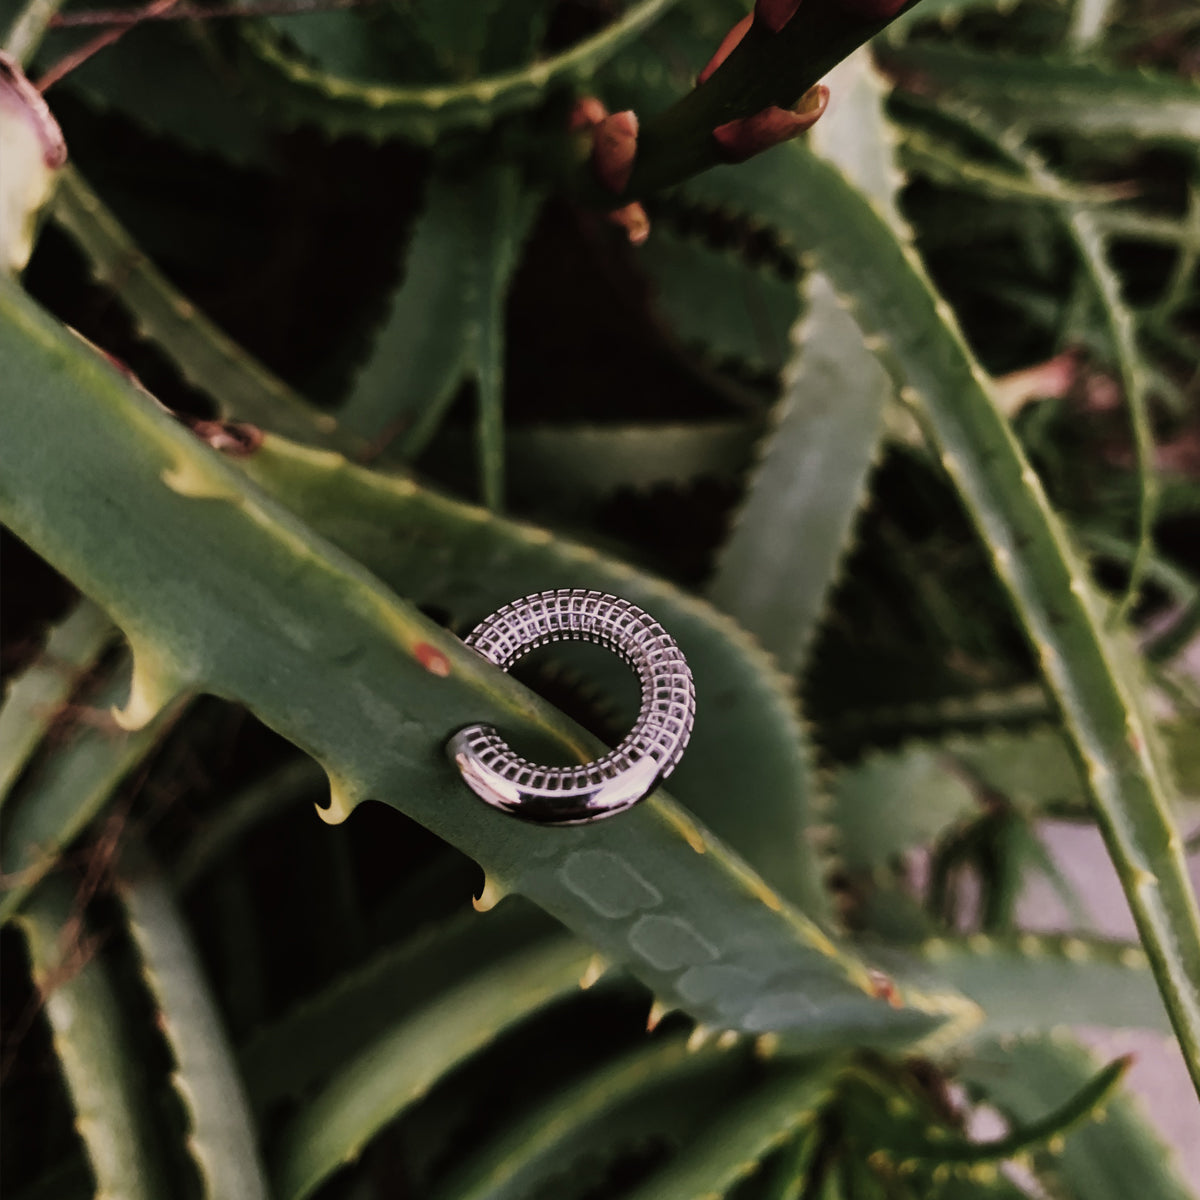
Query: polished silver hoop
x=622, y=777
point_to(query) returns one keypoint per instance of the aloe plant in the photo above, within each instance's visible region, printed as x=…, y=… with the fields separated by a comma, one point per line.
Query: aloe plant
x=336, y=334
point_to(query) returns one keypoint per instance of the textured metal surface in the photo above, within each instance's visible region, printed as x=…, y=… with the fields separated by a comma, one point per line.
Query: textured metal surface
x=622, y=777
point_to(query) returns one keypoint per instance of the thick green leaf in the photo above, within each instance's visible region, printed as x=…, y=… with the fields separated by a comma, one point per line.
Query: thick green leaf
x=659, y=1091
x=249, y=604
x=890, y=803
x=71, y=786
x=1028, y=982
x=437, y=551
x=568, y=469
x=104, y=1076
x=166, y=77
x=1090, y=672
x=207, y=357
x=412, y=1054
x=36, y=697
x=294, y=781
x=305, y=93
x=714, y=300
x=324, y=1031
x=774, y=572
x=1112, y=1160
x=733, y=1146
x=897, y=800
x=1089, y=100
x=221, y=1135
x=445, y=322
x=1085, y=234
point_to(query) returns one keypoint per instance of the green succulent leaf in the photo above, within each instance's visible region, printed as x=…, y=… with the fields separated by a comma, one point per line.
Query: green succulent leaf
x=104, y=1076
x=207, y=357
x=35, y=699
x=414, y=1052
x=1097, y=1161
x=457, y=557
x=168, y=79
x=774, y=572
x=303, y=92
x=1013, y=979
x=445, y=323
x=570, y=469
x=714, y=301
x=1089, y=100
x=58, y=799
x=733, y=1146
x=221, y=1137
x=342, y=668
x=321, y=1033
x=659, y=1091
x=1091, y=674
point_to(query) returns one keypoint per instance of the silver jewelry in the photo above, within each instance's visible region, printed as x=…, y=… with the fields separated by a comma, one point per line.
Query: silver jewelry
x=620, y=778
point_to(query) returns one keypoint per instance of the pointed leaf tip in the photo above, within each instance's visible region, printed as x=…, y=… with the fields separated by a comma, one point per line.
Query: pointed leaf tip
x=154, y=684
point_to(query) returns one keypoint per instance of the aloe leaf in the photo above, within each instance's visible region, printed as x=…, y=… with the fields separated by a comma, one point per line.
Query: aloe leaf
x=568, y=468
x=941, y=160
x=104, y=1076
x=411, y=1055
x=207, y=357
x=661, y=1090
x=732, y=1147
x=1089, y=100
x=1015, y=978
x=776, y=569
x=24, y=33
x=1013, y=708
x=459, y=558
x=896, y=800
x=303, y=92
x=36, y=697
x=1098, y=1161
x=220, y=1137
x=252, y=606
x=323, y=1031
x=713, y=300
x=774, y=572
x=1091, y=678
x=282, y=788
x=890, y=803
x=462, y=252
x=1084, y=232
x=71, y=787
x=908, y=1131
x=166, y=78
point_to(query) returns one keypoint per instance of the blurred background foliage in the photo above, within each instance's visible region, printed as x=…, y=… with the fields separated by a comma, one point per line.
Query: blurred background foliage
x=209, y=993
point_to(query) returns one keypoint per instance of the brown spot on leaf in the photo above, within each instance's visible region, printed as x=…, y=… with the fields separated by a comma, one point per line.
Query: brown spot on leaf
x=235, y=438
x=432, y=659
x=884, y=988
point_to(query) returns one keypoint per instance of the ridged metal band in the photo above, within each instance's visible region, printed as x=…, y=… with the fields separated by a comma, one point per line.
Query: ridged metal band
x=622, y=777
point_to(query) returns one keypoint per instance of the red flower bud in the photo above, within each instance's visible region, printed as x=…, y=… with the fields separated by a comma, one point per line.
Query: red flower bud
x=588, y=111
x=748, y=136
x=614, y=150
x=633, y=219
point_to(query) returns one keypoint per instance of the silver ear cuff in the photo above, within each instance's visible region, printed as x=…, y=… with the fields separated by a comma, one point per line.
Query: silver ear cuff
x=620, y=778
